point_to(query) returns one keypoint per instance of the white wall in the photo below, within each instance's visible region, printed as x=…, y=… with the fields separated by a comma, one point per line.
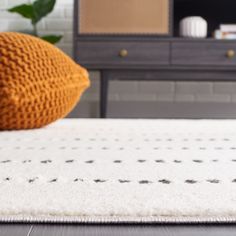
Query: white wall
x=60, y=22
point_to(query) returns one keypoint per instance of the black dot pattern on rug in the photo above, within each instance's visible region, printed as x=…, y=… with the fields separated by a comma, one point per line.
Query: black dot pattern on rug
x=160, y=161
x=215, y=160
x=89, y=162
x=198, y=161
x=93, y=153
x=26, y=161
x=177, y=161
x=69, y=161
x=123, y=181
x=46, y=161
x=198, y=139
x=117, y=161
x=213, y=181
x=100, y=181
x=32, y=180
x=78, y=180
x=164, y=181
x=5, y=161
x=142, y=161
x=145, y=182
x=190, y=181
x=53, y=180
x=124, y=148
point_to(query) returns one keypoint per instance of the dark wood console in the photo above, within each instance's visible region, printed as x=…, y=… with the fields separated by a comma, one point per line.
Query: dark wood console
x=160, y=56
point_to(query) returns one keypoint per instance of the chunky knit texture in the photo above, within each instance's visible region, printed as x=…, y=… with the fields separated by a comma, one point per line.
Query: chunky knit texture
x=38, y=83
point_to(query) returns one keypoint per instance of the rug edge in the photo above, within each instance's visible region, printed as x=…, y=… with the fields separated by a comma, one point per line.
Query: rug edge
x=117, y=220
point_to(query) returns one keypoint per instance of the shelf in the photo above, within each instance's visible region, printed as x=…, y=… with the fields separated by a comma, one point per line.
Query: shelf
x=149, y=38
x=215, y=12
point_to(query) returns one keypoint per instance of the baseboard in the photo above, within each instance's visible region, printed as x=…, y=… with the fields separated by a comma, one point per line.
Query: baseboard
x=176, y=110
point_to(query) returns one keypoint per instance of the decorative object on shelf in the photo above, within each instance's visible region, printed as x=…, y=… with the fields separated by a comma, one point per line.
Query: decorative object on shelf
x=193, y=27
x=35, y=12
x=39, y=83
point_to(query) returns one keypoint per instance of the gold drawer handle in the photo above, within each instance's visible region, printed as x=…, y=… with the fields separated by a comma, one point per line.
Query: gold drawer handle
x=123, y=53
x=230, y=54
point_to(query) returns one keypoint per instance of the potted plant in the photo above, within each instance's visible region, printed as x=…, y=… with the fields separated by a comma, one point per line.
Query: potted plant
x=35, y=12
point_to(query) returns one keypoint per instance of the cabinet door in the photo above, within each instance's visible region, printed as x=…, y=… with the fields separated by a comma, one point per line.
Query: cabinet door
x=124, y=17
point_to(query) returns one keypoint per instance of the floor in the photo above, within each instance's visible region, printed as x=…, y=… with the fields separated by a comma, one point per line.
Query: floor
x=119, y=230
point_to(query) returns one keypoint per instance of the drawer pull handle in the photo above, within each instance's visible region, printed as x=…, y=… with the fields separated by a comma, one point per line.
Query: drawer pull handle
x=230, y=54
x=123, y=53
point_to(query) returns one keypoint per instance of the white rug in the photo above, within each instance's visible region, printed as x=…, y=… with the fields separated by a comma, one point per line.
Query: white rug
x=120, y=171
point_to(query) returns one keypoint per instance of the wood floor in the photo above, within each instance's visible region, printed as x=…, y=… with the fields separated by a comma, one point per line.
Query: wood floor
x=120, y=230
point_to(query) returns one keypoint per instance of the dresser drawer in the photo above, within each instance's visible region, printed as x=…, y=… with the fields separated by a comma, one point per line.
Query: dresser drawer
x=204, y=53
x=121, y=54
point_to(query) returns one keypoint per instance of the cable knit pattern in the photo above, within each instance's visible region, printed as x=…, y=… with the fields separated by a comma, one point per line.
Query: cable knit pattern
x=38, y=83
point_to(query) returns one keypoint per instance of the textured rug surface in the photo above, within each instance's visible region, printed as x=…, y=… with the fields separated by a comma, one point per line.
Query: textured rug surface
x=120, y=171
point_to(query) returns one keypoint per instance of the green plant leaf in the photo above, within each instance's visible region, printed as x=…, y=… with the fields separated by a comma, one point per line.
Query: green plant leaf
x=25, y=10
x=42, y=8
x=53, y=39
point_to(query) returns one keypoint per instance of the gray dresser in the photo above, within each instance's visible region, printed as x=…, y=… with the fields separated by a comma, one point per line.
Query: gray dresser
x=156, y=55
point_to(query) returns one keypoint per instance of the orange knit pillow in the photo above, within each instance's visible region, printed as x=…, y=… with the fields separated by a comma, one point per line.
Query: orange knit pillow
x=38, y=83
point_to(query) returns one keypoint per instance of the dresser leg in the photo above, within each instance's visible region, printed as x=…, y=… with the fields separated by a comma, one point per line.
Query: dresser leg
x=103, y=96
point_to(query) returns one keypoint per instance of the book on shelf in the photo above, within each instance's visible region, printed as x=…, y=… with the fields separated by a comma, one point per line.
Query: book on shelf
x=226, y=31
x=228, y=28
x=224, y=35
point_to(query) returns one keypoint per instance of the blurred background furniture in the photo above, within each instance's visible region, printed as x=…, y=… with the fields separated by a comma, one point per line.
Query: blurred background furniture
x=112, y=38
